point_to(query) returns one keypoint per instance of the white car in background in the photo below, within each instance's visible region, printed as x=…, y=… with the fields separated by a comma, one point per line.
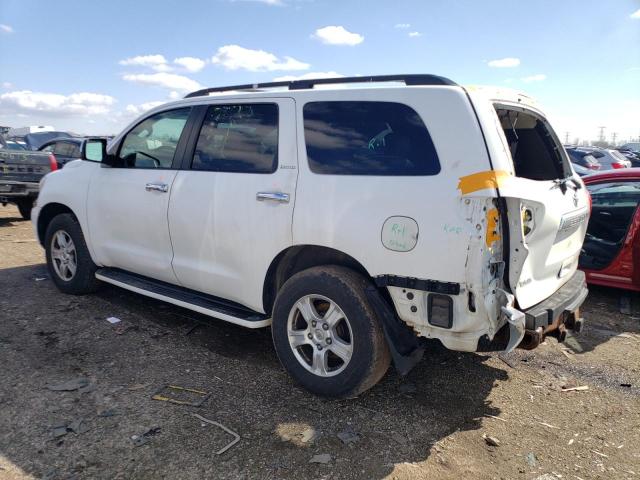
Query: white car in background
x=357, y=222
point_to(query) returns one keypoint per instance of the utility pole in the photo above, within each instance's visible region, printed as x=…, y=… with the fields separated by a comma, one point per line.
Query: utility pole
x=601, y=138
x=566, y=138
x=614, y=135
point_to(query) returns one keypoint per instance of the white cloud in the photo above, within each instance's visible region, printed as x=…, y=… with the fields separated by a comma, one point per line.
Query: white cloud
x=191, y=64
x=308, y=76
x=337, y=35
x=6, y=28
x=156, y=62
x=143, y=107
x=7, y=84
x=415, y=34
x=508, y=62
x=173, y=95
x=534, y=78
x=235, y=57
x=402, y=25
x=78, y=104
x=635, y=15
x=163, y=79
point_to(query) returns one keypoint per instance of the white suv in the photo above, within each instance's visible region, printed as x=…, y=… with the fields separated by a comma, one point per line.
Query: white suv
x=356, y=220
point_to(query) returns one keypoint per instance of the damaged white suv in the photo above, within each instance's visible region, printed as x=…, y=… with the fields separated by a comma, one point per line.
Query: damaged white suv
x=356, y=221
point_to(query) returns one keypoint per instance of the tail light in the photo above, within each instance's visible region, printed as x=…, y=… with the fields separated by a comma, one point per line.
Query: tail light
x=528, y=223
x=618, y=165
x=593, y=166
x=53, y=163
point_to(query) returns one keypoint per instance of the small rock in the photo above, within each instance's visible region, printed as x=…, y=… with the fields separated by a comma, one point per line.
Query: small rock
x=531, y=459
x=323, y=458
x=69, y=385
x=493, y=441
x=309, y=435
x=59, y=431
x=78, y=426
x=348, y=436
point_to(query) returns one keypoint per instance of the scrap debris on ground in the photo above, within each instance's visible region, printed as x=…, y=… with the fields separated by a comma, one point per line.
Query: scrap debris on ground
x=76, y=396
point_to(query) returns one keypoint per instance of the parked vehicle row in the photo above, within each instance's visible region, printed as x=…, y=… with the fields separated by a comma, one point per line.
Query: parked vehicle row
x=193, y=204
x=598, y=159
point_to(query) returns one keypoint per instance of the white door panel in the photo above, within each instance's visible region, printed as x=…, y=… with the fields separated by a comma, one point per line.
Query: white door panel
x=224, y=238
x=128, y=222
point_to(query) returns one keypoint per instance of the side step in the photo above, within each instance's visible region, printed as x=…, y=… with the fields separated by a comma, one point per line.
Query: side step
x=183, y=297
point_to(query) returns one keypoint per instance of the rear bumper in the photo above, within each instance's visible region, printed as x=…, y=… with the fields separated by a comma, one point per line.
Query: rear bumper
x=11, y=190
x=556, y=314
x=567, y=298
x=553, y=316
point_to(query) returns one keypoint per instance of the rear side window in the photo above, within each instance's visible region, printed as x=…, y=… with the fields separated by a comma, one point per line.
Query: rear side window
x=367, y=138
x=63, y=149
x=240, y=138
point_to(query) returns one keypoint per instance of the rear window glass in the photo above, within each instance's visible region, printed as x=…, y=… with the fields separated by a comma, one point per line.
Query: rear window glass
x=367, y=138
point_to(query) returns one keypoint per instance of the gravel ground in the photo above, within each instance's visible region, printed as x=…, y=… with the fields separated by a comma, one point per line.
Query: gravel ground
x=431, y=424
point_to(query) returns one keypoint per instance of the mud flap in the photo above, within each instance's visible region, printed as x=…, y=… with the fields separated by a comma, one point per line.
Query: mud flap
x=515, y=318
x=405, y=346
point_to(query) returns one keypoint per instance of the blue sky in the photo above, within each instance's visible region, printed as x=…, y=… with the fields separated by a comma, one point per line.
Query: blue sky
x=94, y=66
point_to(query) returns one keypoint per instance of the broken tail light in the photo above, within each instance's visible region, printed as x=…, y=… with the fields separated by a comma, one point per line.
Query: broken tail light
x=440, y=310
x=527, y=221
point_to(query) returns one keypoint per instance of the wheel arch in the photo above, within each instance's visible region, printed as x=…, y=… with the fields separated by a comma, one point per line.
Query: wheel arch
x=48, y=213
x=300, y=257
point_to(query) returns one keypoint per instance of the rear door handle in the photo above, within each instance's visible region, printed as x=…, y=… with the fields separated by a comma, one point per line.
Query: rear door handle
x=158, y=187
x=273, y=196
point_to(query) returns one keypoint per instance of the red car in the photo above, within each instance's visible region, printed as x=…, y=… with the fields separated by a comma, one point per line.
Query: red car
x=611, y=252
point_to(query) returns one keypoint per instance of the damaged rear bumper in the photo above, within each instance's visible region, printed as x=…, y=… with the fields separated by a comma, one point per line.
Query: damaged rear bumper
x=554, y=316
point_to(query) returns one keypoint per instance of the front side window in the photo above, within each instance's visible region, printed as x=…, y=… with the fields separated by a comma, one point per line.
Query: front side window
x=367, y=138
x=239, y=138
x=613, y=207
x=153, y=142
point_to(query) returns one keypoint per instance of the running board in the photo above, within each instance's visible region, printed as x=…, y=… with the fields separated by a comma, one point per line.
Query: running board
x=183, y=297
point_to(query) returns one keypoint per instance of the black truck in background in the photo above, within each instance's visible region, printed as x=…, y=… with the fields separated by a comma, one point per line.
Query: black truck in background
x=20, y=174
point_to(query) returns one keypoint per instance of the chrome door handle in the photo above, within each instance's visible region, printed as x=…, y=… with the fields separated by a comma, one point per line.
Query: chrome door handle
x=273, y=196
x=158, y=187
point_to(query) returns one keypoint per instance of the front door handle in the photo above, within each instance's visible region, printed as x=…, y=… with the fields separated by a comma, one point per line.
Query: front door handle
x=158, y=187
x=273, y=196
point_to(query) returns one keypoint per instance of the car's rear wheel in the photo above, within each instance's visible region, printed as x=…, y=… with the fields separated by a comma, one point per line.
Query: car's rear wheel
x=24, y=207
x=68, y=258
x=326, y=333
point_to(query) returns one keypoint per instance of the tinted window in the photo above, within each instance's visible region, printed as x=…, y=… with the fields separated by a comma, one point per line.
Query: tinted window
x=614, y=205
x=238, y=138
x=63, y=149
x=153, y=142
x=367, y=138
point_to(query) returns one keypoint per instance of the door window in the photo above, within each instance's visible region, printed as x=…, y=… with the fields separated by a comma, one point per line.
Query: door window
x=153, y=142
x=368, y=138
x=614, y=205
x=63, y=149
x=238, y=138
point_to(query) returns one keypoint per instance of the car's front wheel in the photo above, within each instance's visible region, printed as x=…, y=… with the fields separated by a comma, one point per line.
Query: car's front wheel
x=326, y=333
x=68, y=259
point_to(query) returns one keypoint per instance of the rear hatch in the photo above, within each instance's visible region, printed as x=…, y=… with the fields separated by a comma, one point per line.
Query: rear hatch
x=547, y=207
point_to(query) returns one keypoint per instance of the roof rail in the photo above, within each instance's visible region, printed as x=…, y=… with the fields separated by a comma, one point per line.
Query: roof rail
x=413, y=79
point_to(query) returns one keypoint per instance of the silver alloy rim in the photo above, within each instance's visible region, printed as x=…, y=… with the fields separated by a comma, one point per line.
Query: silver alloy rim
x=320, y=335
x=63, y=255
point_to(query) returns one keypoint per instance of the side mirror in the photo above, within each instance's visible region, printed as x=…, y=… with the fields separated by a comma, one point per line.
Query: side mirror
x=94, y=149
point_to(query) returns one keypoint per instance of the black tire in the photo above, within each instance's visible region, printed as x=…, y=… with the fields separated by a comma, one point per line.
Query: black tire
x=370, y=357
x=24, y=207
x=83, y=280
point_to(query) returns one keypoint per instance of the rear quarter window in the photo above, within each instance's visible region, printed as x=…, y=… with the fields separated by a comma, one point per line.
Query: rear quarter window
x=367, y=138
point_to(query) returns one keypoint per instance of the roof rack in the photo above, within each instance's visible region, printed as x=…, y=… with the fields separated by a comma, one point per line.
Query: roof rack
x=414, y=79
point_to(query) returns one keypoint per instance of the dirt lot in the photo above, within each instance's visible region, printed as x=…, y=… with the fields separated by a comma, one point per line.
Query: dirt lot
x=429, y=425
